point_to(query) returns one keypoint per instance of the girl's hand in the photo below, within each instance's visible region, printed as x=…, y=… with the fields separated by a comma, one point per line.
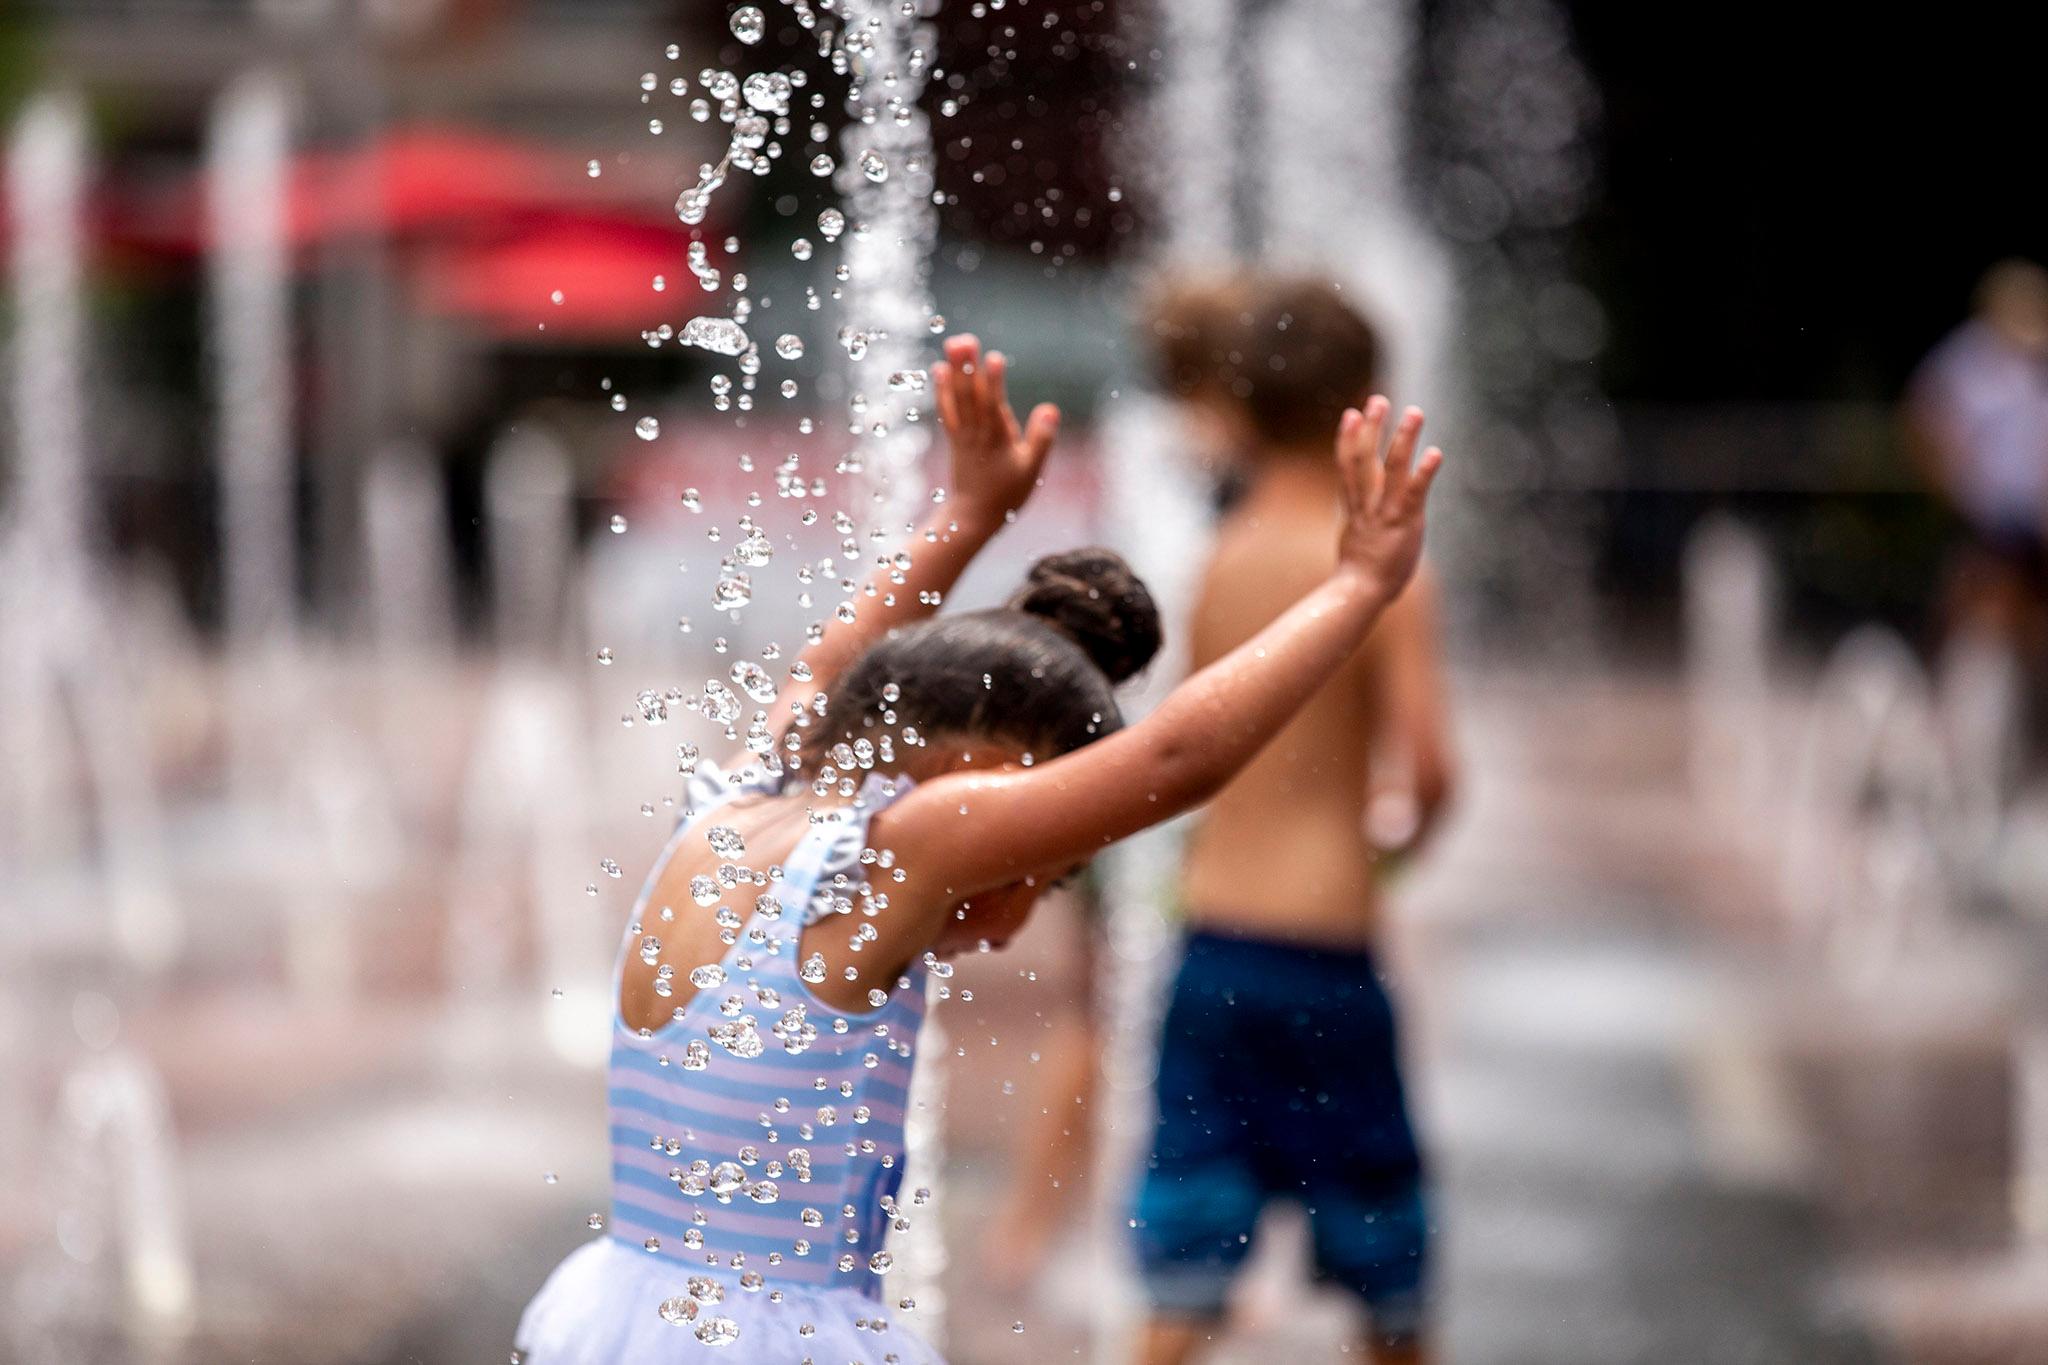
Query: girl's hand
x=995, y=464
x=1383, y=498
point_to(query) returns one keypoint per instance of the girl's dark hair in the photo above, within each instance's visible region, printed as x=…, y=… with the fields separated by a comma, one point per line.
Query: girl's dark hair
x=1040, y=672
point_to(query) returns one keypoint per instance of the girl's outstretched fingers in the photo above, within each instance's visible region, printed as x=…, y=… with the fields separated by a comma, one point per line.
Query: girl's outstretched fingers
x=1351, y=459
x=1041, y=429
x=993, y=367
x=1358, y=452
x=1401, y=454
x=1348, y=455
x=1425, y=474
x=945, y=382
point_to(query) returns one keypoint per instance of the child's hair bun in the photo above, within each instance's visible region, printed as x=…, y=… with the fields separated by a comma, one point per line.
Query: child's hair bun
x=1093, y=598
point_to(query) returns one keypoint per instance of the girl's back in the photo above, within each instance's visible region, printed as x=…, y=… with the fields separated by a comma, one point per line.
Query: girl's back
x=756, y=1127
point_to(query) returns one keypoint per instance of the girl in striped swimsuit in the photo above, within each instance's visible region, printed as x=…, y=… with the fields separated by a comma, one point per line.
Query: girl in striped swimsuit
x=773, y=976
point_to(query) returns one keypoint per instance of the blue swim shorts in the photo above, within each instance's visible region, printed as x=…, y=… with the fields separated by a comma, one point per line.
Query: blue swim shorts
x=1278, y=1079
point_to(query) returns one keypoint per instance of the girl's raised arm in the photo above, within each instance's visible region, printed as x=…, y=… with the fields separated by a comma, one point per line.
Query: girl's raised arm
x=974, y=831
x=995, y=467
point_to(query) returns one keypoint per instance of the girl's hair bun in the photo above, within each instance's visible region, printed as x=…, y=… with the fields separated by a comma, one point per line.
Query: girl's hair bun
x=1093, y=598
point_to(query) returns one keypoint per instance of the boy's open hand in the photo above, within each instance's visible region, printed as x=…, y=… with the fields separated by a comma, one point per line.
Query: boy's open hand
x=995, y=464
x=1383, y=498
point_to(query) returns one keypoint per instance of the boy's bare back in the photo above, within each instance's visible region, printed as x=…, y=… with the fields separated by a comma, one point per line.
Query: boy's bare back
x=1283, y=852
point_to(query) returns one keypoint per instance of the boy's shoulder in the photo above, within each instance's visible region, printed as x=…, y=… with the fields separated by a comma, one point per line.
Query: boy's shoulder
x=1258, y=567
x=1285, y=541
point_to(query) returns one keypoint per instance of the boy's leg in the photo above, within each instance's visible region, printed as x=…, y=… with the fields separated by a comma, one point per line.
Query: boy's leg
x=1350, y=1154
x=1380, y=1352
x=1199, y=1199
x=1377, y=1247
x=1173, y=1341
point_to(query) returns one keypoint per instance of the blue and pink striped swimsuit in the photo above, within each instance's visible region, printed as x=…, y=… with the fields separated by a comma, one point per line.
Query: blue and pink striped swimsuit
x=758, y=1137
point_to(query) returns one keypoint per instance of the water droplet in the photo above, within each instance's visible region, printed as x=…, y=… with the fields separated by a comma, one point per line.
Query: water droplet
x=813, y=969
x=754, y=681
x=907, y=381
x=619, y=522
x=873, y=167
x=707, y=976
x=767, y=91
x=831, y=223
x=594, y=170
x=821, y=164
x=731, y=592
x=678, y=1311
x=748, y=24
x=595, y=1222
x=722, y=335
x=740, y=1038
x=700, y=266
x=647, y=428
x=789, y=346
x=801, y=249
x=755, y=550
x=719, y=702
x=881, y=1263
x=718, y=1331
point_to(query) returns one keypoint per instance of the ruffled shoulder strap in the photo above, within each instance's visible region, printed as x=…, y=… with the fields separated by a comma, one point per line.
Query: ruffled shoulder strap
x=833, y=846
x=710, y=786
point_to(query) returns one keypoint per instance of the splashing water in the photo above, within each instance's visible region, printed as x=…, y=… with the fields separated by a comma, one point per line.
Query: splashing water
x=883, y=237
x=887, y=296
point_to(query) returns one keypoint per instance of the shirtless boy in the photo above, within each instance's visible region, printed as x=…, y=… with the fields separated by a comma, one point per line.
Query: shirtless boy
x=1279, y=1076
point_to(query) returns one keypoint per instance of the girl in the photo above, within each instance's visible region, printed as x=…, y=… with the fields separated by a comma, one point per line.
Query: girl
x=773, y=976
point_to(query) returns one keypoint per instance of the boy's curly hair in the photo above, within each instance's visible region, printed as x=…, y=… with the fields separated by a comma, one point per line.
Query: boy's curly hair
x=1291, y=350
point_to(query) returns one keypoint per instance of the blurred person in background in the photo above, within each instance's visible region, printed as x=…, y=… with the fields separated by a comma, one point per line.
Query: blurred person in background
x=1977, y=424
x=1279, y=1074
x=1055, y=1152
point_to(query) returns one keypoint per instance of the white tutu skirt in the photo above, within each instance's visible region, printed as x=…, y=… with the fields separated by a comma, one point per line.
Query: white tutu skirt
x=603, y=1306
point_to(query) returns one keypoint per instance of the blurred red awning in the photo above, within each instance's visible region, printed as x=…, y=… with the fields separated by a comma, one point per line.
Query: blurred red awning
x=569, y=279
x=477, y=225
x=413, y=182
